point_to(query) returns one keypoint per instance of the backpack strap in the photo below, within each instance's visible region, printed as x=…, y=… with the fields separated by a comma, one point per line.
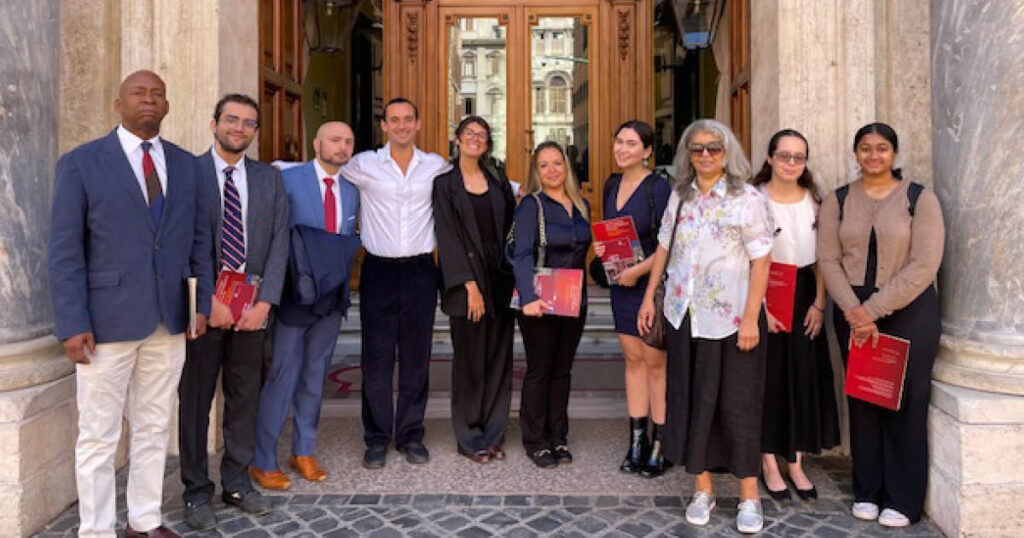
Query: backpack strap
x=913, y=193
x=841, y=194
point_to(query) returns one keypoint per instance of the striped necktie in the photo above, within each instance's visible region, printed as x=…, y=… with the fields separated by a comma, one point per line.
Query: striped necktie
x=154, y=192
x=232, y=239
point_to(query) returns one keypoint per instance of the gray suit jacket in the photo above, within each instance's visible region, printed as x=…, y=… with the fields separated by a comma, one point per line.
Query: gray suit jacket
x=266, y=224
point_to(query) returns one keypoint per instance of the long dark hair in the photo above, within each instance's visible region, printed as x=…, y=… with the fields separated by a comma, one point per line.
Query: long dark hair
x=806, y=179
x=462, y=127
x=885, y=131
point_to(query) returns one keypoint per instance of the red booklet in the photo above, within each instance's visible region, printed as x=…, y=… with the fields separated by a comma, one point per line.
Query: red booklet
x=560, y=288
x=622, y=248
x=876, y=374
x=781, y=293
x=238, y=291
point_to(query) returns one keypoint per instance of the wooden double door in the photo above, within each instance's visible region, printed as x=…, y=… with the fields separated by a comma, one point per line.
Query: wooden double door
x=536, y=70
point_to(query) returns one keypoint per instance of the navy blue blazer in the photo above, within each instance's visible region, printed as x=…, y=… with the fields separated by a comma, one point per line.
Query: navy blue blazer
x=112, y=272
x=316, y=259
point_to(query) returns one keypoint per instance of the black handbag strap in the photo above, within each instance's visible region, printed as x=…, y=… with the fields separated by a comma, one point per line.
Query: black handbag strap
x=672, y=239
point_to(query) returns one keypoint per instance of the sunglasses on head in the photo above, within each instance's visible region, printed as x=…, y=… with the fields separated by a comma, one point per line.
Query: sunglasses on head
x=713, y=149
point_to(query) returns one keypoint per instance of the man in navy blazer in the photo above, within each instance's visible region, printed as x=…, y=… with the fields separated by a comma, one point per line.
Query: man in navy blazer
x=124, y=236
x=247, y=208
x=303, y=346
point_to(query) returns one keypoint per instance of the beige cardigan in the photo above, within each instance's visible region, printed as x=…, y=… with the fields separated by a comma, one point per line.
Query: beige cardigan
x=908, y=250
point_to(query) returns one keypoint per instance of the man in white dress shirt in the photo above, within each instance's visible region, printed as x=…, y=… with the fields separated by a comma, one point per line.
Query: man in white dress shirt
x=398, y=283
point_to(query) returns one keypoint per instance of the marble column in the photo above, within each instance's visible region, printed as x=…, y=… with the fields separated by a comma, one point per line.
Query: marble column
x=36, y=391
x=977, y=415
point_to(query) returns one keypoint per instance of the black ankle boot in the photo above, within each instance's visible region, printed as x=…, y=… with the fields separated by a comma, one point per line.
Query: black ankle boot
x=639, y=446
x=655, y=462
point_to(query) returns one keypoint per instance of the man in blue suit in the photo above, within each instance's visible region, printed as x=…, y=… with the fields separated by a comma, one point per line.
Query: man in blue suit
x=304, y=342
x=124, y=236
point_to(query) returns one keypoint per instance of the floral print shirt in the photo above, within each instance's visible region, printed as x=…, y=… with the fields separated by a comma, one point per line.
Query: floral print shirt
x=718, y=234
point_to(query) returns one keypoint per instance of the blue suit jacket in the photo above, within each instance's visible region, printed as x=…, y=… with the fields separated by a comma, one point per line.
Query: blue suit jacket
x=317, y=260
x=112, y=272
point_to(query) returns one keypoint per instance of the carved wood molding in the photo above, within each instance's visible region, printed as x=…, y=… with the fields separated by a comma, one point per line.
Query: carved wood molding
x=412, y=34
x=623, y=27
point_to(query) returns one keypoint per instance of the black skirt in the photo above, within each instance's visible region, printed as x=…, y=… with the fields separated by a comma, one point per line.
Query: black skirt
x=800, y=410
x=715, y=393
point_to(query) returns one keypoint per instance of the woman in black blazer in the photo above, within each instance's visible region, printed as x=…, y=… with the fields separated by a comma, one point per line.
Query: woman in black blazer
x=473, y=212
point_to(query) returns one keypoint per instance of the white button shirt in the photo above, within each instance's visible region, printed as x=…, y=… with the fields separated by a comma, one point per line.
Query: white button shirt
x=397, y=215
x=132, y=146
x=242, y=185
x=335, y=188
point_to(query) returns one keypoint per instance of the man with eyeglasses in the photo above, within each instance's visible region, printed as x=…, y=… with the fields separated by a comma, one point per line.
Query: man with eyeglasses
x=246, y=205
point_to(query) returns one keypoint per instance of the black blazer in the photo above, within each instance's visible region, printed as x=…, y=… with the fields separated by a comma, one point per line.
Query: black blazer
x=459, y=246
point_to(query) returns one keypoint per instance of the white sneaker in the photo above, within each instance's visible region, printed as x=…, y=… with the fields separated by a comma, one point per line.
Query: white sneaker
x=749, y=519
x=865, y=511
x=698, y=512
x=892, y=518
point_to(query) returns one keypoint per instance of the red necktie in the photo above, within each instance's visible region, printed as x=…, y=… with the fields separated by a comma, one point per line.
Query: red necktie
x=330, y=208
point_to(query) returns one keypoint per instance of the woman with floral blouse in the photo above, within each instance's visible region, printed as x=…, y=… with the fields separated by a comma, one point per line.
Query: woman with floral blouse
x=717, y=273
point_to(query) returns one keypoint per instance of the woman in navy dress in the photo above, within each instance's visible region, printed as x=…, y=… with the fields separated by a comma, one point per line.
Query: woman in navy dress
x=642, y=195
x=550, y=341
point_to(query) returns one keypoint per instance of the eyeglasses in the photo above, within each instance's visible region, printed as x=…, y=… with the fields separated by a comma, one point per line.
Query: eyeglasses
x=787, y=157
x=714, y=149
x=233, y=120
x=479, y=135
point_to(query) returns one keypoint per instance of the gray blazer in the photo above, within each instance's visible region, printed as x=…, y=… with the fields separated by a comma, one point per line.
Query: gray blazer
x=266, y=224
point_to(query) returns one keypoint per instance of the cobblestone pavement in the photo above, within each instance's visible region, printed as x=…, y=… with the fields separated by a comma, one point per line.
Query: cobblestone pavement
x=377, y=505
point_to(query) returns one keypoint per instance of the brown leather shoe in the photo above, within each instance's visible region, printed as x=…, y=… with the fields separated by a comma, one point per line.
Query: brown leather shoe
x=159, y=532
x=307, y=467
x=496, y=452
x=275, y=480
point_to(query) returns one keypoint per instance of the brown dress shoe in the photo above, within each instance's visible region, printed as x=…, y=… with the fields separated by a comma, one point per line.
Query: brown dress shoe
x=159, y=532
x=307, y=467
x=275, y=480
x=496, y=452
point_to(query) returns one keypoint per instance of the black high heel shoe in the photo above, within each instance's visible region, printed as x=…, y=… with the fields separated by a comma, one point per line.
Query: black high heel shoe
x=805, y=494
x=780, y=495
x=639, y=446
x=655, y=465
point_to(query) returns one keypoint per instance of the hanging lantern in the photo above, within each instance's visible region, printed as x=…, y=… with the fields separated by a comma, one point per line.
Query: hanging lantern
x=328, y=23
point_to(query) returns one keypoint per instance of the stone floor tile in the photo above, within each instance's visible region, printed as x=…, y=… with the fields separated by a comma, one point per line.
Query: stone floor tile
x=544, y=523
x=487, y=500
x=452, y=522
x=342, y=533
x=474, y=532
x=518, y=500
x=385, y=533
x=367, y=524
x=635, y=528
x=364, y=499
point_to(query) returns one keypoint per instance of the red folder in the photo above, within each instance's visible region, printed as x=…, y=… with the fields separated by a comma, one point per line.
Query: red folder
x=560, y=288
x=781, y=293
x=876, y=374
x=238, y=291
x=622, y=248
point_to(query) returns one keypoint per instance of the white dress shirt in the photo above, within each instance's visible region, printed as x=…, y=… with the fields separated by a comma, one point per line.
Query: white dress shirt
x=795, y=236
x=335, y=188
x=242, y=185
x=397, y=212
x=132, y=146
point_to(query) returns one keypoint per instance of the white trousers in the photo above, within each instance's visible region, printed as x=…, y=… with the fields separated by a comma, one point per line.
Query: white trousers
x=146, y=372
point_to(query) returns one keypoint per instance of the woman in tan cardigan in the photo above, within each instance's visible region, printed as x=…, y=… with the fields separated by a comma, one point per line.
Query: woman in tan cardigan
x=880, y=243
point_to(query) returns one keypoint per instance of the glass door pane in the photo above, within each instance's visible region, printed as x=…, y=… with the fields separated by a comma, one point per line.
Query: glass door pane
x=559, y=76
x=477, y=83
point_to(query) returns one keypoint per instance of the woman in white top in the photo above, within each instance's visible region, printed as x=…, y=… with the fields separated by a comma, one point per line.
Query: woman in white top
x=717, y=272
x=800, y=413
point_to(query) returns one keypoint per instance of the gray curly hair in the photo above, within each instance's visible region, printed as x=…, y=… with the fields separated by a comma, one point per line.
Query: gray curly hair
x=736, y=166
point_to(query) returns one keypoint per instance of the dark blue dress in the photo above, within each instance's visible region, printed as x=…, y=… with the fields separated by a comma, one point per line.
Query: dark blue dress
x=653, y=190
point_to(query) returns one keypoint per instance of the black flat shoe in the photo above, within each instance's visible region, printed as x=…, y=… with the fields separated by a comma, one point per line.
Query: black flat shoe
x=781, y=495
x=544, y=459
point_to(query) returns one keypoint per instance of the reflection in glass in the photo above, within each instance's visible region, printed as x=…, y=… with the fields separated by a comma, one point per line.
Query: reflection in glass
x=560, y=70
x=476, y=79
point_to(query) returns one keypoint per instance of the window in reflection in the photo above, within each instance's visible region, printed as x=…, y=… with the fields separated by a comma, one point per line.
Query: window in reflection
x=476, y=79
x=560, y=79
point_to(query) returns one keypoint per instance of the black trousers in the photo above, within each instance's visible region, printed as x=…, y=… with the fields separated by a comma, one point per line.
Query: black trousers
x=397, y=298
x=550, y=343
x=240, y=354
x=481, y=379
x=890, y=448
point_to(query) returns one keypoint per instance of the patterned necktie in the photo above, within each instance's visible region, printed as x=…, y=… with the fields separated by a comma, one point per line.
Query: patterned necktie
x=232, y=238
x=330, y=207
x=154, y=192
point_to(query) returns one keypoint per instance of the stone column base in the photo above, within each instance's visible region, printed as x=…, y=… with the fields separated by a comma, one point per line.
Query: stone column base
x=976, y=471
x=38, y=427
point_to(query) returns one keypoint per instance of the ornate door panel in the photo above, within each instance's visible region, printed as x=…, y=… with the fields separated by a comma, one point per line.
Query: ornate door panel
x=565, y=70
x=281, y=72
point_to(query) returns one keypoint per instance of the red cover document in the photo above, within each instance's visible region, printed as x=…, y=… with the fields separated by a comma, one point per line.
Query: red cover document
x=562, y=289
x=781, y=293
x=238, y=291
x=622, y=248
x=876, y=374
